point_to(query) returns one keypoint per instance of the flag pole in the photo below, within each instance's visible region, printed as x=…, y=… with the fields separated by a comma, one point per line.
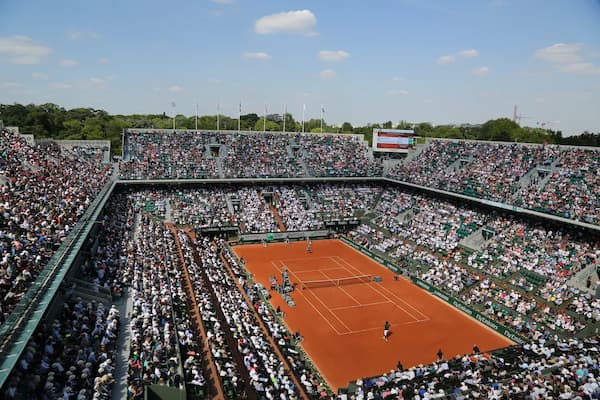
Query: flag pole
x=284, y=112
x=218, y=122
x=196, y=116
x=240, y=118
x=174, y=113
x=265, y=119
x=322, y=118
x=303, y=112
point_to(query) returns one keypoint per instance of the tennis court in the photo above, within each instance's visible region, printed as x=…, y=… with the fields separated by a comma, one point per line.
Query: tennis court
x=337, y=291
x=340, y=311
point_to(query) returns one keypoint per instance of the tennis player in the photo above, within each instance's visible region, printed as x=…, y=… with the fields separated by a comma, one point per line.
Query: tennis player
x=386, y=330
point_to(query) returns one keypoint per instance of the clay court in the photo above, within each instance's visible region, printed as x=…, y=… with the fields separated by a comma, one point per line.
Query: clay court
x=341, y=311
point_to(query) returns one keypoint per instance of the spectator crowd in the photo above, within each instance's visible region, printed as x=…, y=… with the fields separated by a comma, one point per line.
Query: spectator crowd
x=520, y=275
x=44, y=191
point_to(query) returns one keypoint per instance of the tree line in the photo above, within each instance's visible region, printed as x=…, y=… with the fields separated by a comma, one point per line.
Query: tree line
x=53, y=121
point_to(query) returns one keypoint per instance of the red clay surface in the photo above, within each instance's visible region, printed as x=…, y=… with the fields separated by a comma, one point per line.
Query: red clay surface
x=343, y=325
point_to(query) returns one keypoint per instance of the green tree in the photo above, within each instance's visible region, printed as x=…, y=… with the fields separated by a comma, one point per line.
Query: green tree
x=72, y=128
x=271, y=126
x=423, y=129
x=249, y=121
x=347, y=127
x=501, y=129
x=290, y=123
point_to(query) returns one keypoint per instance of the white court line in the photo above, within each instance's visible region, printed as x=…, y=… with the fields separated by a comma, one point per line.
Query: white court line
x=361, y=305
x=382, y=294
x=305, y=258
x=384, y=288
x=283, y=262
x=317, y=270
x=405, y=302
x=426, y=317
x=358, y=303
x=328, y=309
x=331, y=310
x=317, y=310
x=378, y=329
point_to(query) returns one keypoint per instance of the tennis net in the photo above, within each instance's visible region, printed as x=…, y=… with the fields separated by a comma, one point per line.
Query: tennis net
x=335, y=282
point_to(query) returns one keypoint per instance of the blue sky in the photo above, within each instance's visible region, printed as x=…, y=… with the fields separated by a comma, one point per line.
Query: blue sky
x=364, y=61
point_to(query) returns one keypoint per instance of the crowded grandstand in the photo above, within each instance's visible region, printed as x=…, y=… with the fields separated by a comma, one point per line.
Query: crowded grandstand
x=132, y=264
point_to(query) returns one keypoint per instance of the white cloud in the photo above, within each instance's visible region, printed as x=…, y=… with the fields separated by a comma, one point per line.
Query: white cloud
x=398, y=92
x=300, y=21
x=468, y=53
x=446, y=59
x=327, y=74
x=104, y=60
x=9, y=85
x=24, y=60
x=22, y=49
x=175, y=89
x=68, y=63
x=40, y=76
x=560, y=53
x=222, y=1
x=580, y=68
x=214, y=81
x=481, y=71
x=96, y=83
x=450, y=58
x=255, y=55
x=333, y=55
x=397, y=79
x=568, y=58
x=74, y=34
x=58, y=85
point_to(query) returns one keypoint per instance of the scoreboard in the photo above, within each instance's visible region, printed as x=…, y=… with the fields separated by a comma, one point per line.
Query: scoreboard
x=393, y=140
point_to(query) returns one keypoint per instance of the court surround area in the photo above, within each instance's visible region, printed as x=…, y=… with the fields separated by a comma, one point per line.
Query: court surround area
x=341, y=311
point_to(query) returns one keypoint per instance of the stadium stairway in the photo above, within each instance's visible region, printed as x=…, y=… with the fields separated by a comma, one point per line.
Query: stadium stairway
x=228, y=337
x=124, y=305
x=389, y=165
x=219, y=163
x=525, y=181
x=229, y=205
x=474, y=241
x=168, y=212
x=277, y=218
x=303, y=165
x=213, y=381
x=553, y=168
x=414, y=154
x=87, y=291
x=407, y=215
x=579, y=279
x=376, y=201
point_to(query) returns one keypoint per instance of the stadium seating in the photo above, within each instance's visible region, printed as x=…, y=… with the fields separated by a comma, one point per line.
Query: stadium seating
x=520, y=275
x=45, y=191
